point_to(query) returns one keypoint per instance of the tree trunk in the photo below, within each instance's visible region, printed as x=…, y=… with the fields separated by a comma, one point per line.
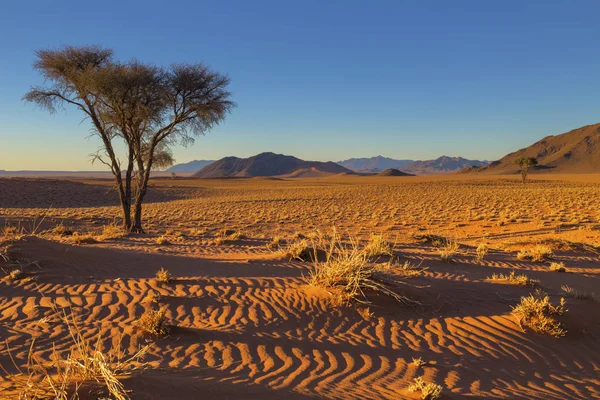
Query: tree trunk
x=136, y=227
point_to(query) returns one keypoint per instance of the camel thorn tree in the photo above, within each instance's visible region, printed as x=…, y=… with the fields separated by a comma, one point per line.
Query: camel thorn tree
x=142, y=108
x=525, y=163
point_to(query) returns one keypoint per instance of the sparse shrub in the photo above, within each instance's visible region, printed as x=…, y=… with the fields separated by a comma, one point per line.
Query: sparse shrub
x=418, y=362
x=481, y=251
x=301, y=251
x=163, y=276
x=378, y=246
x=408, y=269
x=13, y=232
x=16, y=274
x=538, y=253
x=162, y=240
x=298, y=236
x=449, y=250
x=112, y=231
x=571, y=292
x=154, y=322
x=348, y=269
x=86, y=238
x=430, y=238
x=558, y=267
x=539, y=314
x=85, y=361
x=62, y=230
x=275, y=243
x=228, y=235
x=513, y=278
x=429, y=391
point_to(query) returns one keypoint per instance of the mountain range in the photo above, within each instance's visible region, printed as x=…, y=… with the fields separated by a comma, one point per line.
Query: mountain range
x=268, y=164
x=192, y=166
x=576, y=151
x=373, y=164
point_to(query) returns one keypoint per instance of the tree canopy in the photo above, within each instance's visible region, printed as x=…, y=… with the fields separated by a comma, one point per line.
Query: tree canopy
x=146, y=107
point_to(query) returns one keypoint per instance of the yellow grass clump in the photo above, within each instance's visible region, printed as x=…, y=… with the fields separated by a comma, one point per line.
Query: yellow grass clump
x=154, y=322
x=163, y=276
x=449, y=250
x=538, y=253
x=558, y=267
x=378, y=246
x=481, y=251
x=515, y=279
x=578, y=294
x=539, y=314
x=429, y=391
x=86, y=362
x=347, y=268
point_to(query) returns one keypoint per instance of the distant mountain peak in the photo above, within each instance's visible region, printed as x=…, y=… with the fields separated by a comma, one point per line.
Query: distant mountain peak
x=268, y=164
x=575, y=151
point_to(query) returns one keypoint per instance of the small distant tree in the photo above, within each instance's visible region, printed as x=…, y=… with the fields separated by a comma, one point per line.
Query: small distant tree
x=524, y=164
x=143, y=107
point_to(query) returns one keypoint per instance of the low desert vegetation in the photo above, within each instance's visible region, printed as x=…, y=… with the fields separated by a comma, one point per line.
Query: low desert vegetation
x=348, y=269
x=61, y=230
x=481, y=251
x=378, y=246
x=418, y=362
x=428, y=390
x=449, y=250
x=154, y=322
x=275, y=243
x=538, y=253
x=431, y=239
x=162, y=241
x=301, y=250
x=539, y=314
x=87, y=362
x=228, y=236
x=558, y=267
x=515, y=279
x=163, y=276
x=112, y=231
x=578, y=294
x=83, y=238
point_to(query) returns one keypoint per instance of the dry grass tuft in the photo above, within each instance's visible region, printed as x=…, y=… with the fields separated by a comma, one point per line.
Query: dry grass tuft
x=418, y=362
x=429, y=391
x=577, y=294
x=481, y=251
x=154, y=322
x=162, y=240
x=449, y=250
x=538, y=313
x=112, y=231
x=348, y=269
x=275, y=243
x=61, y=230
x=515, y=279
x=163, y=276
x=86, y=362
x=558, y=267
x=540, y=252
x=16, y=274
x=301, y=250
x=378, y=246
x=431, y=238
x=79, y=238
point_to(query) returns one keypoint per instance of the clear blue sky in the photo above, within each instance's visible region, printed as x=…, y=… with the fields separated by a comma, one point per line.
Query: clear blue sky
x=325, y=80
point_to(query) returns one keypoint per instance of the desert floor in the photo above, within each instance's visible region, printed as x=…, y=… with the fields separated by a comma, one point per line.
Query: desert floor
x=244, y=323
